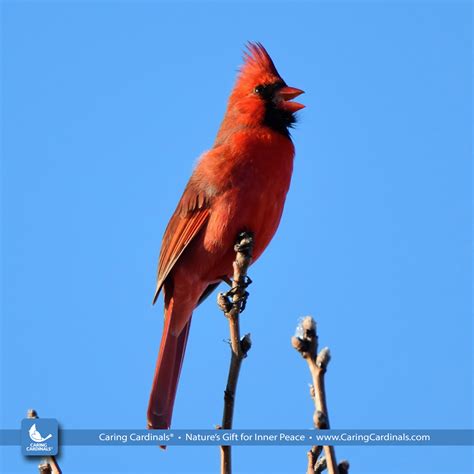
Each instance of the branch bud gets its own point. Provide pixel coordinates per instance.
(343, 467)
(245, 344)
(323, 358)
(306, 340)
(320, 420)
(223, 302)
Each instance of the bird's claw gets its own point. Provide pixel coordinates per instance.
(243, 301)
(235, 296)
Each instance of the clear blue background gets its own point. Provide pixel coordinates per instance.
(107, 105)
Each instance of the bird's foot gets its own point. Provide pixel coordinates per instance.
(235, 299)
(244, 243)
(238, 294)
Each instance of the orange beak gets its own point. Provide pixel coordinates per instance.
(285, 94)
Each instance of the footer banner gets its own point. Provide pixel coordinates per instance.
(126, 437)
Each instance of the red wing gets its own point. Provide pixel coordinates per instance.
(188, 219)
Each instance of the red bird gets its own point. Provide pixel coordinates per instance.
(239, 185)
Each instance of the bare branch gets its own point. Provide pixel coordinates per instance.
(313, 455)
(232, 304)
(306, 343)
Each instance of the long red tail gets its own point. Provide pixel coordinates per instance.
(168, 368)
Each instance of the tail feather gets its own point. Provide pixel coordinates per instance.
(168, 369)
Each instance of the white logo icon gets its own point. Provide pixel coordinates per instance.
(35, 435)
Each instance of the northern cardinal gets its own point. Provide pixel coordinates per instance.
(240, 184)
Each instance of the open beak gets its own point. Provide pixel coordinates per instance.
(285, 94)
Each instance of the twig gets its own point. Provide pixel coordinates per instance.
(49, 464)
(232, 304)
(343, 467)
(45, 468)
(306, 343)
(319, 466)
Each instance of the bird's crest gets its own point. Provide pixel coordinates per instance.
(257, 62)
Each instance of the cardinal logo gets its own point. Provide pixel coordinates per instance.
(39, 437)
(35, 435)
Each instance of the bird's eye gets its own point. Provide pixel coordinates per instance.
(259, 89)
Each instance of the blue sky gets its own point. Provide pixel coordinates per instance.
(107, 105)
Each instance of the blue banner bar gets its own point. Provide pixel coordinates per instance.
(257, 437)
(10, 437)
